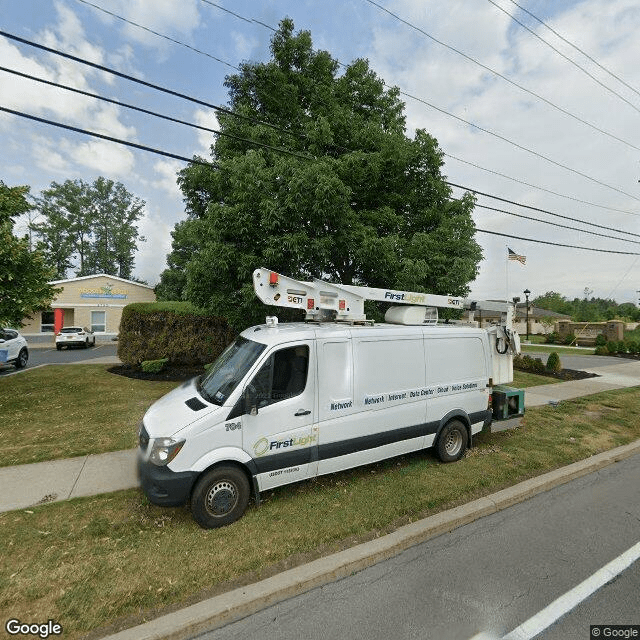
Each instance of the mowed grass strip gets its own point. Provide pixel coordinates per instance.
(550, 348)
(524, 379)
(107, 562)
(62, 411)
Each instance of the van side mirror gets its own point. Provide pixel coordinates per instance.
(251, 400)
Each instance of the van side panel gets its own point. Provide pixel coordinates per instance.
(457, 377)
(387, 416)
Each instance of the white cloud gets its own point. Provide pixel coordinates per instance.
(107, 158)
(164, 16)
(207, 119)
(244, 45)
(167, 170)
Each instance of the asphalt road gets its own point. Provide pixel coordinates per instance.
(580, 362)
(487, 577)
(39, 355)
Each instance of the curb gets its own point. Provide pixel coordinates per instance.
(228, 607)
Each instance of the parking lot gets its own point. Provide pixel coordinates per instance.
(40, 354)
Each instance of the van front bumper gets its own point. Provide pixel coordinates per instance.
(164, 487)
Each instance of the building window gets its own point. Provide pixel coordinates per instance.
(46, 322)
(98, 321)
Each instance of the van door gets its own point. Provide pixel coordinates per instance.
(281, 438)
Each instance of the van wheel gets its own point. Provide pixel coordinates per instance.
(220, 497)
(452, 442)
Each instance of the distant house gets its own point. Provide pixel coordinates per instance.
(89, 301)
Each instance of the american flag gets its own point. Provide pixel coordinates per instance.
(515, 256)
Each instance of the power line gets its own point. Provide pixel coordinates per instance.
(533, 186)
(479, 128)
(156, 33)
(154, 113)
(551, 213)
(521, 147)
(556, 244)
(577, 48)
(214, 166)
(102, 136)
(573, 62)
(145, 83)
(555, 224)
(288, 152)
(249, 20)
(194, 49)
(502, 76)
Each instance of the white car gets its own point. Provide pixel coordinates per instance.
(69, 336)
(13, 348)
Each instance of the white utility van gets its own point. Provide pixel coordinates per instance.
(286, 402)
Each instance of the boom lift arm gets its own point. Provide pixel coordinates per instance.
(322, 300)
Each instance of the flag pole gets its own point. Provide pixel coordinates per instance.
(506, 271)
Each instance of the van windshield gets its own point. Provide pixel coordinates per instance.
(229, 369)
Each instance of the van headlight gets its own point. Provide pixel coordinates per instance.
(164, 450)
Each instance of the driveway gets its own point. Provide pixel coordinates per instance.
(39, 355)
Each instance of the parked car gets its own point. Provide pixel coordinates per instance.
(69, 336)
(13, 348)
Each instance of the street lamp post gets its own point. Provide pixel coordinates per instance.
(526, 295)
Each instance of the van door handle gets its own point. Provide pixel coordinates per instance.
(302, 412)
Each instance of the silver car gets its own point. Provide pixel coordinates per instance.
(13, 348)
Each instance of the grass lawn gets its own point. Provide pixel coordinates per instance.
(115, 560)
(524, 379)
(71, 410)
(548, 348)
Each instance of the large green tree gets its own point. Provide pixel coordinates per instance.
(24, 287)
(359, 202)
(91, 227)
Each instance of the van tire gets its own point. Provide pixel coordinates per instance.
(220, 497)
(452, 441)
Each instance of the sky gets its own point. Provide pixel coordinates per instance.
(537, 123)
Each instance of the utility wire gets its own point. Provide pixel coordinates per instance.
(288, 152)
(253, 20)
(249, 20)
(555, 224)
(556, 244)
(145, 83)
(521, 147)
(102, 136)
(573, 62)
(194, 49)
(155, 33)
(551, 213)
(577, 48)
(501, 75)
(483, 129)
(155, 114)
(533, 186)
(214, 166)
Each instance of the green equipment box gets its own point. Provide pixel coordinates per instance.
(507, 402)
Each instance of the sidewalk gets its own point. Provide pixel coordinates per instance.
(32, 484)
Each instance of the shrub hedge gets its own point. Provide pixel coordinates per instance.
(178, 331)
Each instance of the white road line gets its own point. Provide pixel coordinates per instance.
(565, 603)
